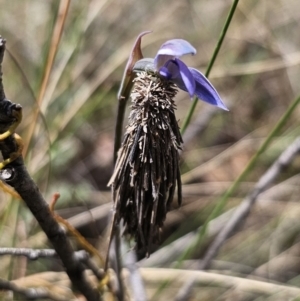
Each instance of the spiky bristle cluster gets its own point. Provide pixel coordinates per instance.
(147, 172)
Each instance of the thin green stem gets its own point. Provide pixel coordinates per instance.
(211, 63)
(222, 202)
(187, 122)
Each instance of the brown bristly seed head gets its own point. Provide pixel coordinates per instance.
(147, 169)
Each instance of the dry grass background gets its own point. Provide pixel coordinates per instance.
(257, 75)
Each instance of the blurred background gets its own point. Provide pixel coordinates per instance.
(69, 145)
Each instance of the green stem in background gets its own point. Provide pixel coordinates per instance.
(211, 63)
(222, 202)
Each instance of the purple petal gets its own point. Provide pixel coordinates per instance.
(177, 71)
(165, 73)
(205, 90)
(171, 49)
(176, 47)
(186, 77)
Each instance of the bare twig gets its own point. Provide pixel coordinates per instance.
(185, 291)
(244, 208)
(2, 49)
(176, 277)
(28, 293)
(21, 181)
(31, 254)
(137, 285)
(114, 256)
(99, 273)
(99, 214)
(34, 254)
(174, 250)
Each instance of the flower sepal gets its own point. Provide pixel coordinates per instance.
(145, 64)
(167, 65)
(128, 75)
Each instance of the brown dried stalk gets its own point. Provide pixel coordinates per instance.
(17, 176)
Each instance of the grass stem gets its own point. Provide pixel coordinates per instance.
(190, 113)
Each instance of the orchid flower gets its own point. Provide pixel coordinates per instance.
(168, 66)
(147, 173)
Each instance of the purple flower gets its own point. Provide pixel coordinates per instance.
(168, 66)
